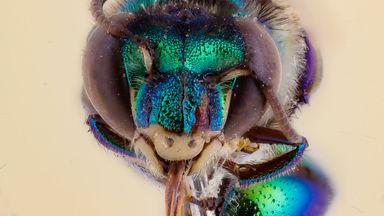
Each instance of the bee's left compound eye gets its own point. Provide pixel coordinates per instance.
(105, 82)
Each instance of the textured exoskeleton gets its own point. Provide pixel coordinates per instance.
(198, 95)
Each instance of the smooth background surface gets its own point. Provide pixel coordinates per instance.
(50, 165)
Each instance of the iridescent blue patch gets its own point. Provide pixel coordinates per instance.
(143, 105)
(217, 103)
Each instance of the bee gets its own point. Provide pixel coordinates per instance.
(198, 95)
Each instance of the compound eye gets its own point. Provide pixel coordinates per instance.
(246, 109)
(105, 82)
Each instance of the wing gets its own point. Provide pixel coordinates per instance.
(305, 192)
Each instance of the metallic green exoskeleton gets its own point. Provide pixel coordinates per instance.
(198, 95)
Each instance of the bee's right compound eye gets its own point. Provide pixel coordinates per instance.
(105, 82)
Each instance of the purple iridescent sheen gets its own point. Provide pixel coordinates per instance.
(102, 138)
(309, 73)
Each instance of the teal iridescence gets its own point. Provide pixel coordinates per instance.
(211, 53)
(217, 98)
(240, 5)
(142, 108)
(133, 63)
(167, 101)
(286, 195)
(169, 47)
(133, 6)
(178, 88)
(303, 192)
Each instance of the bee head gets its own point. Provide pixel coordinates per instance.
(172, 78)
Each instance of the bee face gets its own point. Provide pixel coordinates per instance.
(184, 94)
(182, 89)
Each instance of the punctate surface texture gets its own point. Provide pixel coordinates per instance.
(177, 88)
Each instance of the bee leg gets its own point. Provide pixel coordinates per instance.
(213, 203)
(116, 25)
(258, 135)
(263, 135)
(108, 137)
(227, 185)
(267, 135)
(280, 114)
(113, 27)
(252, 173)
(208, 204)
(265, 67)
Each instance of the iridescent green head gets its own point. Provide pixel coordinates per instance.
(167, 72)
(188, 85)
(185, 87)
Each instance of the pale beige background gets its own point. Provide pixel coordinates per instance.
(50, 165)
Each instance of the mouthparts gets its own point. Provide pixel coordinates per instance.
(175, 189)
